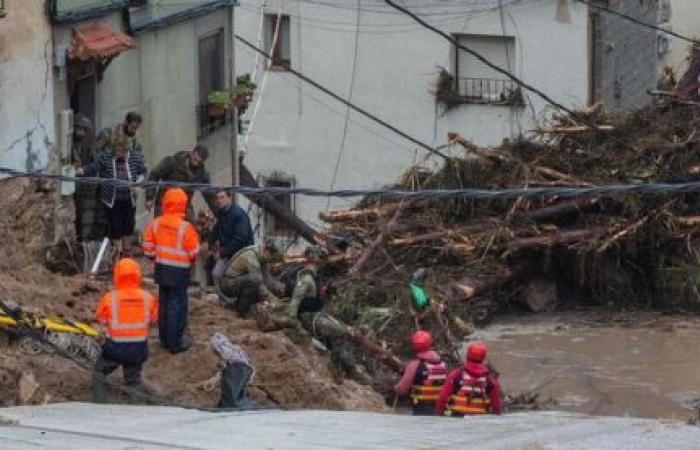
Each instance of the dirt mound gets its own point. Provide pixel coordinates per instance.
(290, 371)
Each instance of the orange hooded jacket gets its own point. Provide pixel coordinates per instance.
(170, 238)
(127, 310)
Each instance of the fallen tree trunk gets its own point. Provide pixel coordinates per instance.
(358, 214)
(278, 210)
(561, 237)
(561, 209)
(573, 129)
(325, 326)
(362, 260)
(469, 287)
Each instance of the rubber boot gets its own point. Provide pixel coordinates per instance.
(99, 389)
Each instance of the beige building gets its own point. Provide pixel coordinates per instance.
(682, 17)
(179, 53)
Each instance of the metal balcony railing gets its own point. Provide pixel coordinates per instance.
(489, 91)
(211, 118)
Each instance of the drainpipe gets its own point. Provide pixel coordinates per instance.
(234, 123)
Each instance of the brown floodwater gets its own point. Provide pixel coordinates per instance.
(639, 365)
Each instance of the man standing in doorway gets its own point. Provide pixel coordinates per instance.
(87, 207)
(232, 232)
(183, 167)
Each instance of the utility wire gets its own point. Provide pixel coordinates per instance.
(636, 21)
(350, 92)
(608, 190)
(342, 100)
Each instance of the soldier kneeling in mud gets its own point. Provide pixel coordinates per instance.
(246, 281)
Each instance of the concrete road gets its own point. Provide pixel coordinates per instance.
(103, 427)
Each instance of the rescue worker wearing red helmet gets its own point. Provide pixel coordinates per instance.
(423, 377)
(472, 389)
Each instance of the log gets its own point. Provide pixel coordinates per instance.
(358, 214)
(417, 238)
(469, 287)
(688, 221)
(561, 237)
(573, 129)
(378, 240)
(561, 209)
(278, 210)
(325, 326)
(557, 175)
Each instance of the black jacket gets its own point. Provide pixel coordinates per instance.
(232, 230)
(105, 167)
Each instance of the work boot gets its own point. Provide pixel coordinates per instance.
(99, 390)
(136, 393)
(183, 347)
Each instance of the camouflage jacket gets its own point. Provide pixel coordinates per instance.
(246, 263)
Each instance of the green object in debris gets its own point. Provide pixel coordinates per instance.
(420, 300)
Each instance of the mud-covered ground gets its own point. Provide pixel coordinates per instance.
(290, 371)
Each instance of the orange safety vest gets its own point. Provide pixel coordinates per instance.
(471, 397)
(168, 247)
(129, 317)
(434, 376)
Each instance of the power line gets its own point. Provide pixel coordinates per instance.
(637, 21)
(350, 92)
(342, 100)
(492, 194)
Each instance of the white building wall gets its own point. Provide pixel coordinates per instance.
(26, 86)
(299, 130)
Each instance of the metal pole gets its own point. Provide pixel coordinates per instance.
(234, 121)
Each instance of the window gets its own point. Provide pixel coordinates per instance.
(211, 78)
(2, 8)
(478, 83)
(273, 226)
(280, 48)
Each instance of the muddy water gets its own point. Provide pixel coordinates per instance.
(646, 367)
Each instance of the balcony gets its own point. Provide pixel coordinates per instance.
(489, 91)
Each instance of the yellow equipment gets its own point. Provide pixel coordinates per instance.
(75, 338)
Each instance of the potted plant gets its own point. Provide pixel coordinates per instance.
(217, 103)
(243, 91)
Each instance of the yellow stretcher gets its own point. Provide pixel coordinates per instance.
(74, 338)
(49, 323)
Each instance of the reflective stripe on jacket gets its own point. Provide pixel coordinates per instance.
(433, 376)
(471, 398)
(127, 314)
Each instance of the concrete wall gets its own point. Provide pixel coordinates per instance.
(626, 55)
(26, 90)
(299, 130)
(685, 20)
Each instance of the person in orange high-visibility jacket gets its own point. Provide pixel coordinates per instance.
(173, 243)
(125, 313)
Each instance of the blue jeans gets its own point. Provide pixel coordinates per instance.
(172, 315)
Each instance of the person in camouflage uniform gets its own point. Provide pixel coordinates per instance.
(246, 280)
(305, 310)
(184, 167)
(125, 132)
(88, 218)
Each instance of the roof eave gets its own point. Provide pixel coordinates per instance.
(181, 16)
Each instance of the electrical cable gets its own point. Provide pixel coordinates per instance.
(347, 111)
(607, 190)
(342, 100)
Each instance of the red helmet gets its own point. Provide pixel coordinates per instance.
(420, 341)
(476, 352)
